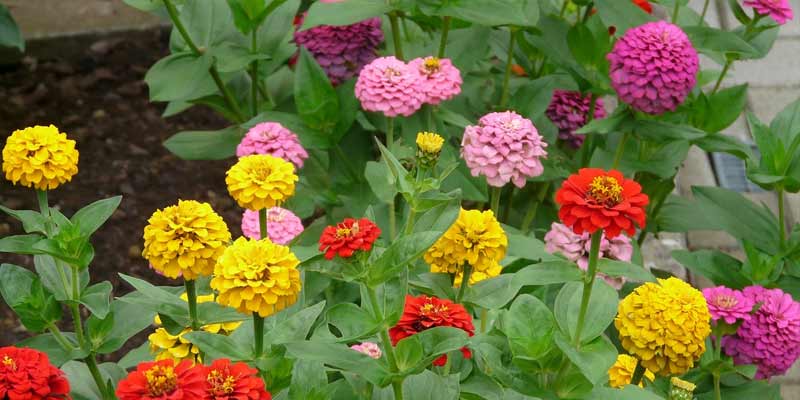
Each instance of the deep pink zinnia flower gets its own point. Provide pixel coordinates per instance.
(504, 147)
(282, 225)
(728, 304)
(653, 67)
(440, 79)
(779, 10)
(575, 247)
(569, 111)
(390, 86)
(771, 338)
(274, 139)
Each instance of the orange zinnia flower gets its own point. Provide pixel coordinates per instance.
(163, 380)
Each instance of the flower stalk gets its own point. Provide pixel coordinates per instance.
(509, 64)
(191, 297)
(388, 349)
(588, 284)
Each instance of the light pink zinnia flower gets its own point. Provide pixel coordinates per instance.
(504, 147)
(569, 111)
(653, 67)
(576, 248)
(771, 338)
(779, 10)
(728, 304)
(368, 348)
(390, 86)
(274, 139)
(440, 79)
(282, 225)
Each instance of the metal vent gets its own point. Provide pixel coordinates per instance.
(730, 172)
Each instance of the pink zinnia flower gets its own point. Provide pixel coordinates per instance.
(771, 338)
(654, 67)
(504, 147)
(282, 225)
(390, 86)
(569, 111)
(440, 79)
(274, 139)
(368, 348)
(576, 248)
(779, 10)
(728, 304)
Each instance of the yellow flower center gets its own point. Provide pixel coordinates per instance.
(429, 308)
(605, 190)
(431, 65)
(221, 384)
(343, 231)
(160, 380)
(9, 362)
(725, 301)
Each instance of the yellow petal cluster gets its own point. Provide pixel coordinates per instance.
(429, 146)
(39, 157)
(664, 325)
(185, 239)
(257, 276)
(475, 238)
(621, 373)
(261, 181)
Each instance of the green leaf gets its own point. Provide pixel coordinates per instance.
(48, 344)
(180, 76)
(48, 267)
(496, 292)
(527, 247)
(408, 353)
(97, 298)
(156, 299)
(205, 145)
(309, 381)
(219, 346)
(20, 244)
(441, 340)
(529, 326)
(484, 12)
(660, 131)
(23, 292)
(618, 121)
(533, 97)
(309, 138)
(711, 40)
(724, 144)
(98, 329)
(214, 313)
(593, 359)
(10, 35)
(717, 266)
(296, 327)
(338, 14)
(400, 254)
(341, 357)
(352, 322)
(131, 320)
(317, 102)
(209, 23)
(32, 221)
(90, 218)
(582, 44)
(599, 315)
(430, 386)
(380, 180)
(719, 110)
(622, 14)
(629, 392)
(624, 269)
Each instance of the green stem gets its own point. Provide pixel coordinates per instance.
(588, 284)
(484, 317)
(563, 8)
(97, 376)
(638, 373)
(392, 209)
(262, 89)
(509, 205)
(445, 31)
(494, 195)
(620, 150)
(429, 124)
(781, 216)
(65, 344)
(588, 12)
(262, 223)
(530, 216)
(258, 331)
(509, 64)
(464, 282)
(722, 74)
(388, 349)
(389, 133)
(398, 46)
(191, 297)
(254, 74)
(717, 393)
(675, 11)
(76, 312)
(705, 10)
(44, 208)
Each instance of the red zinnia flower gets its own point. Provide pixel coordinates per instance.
(226, 381)
(426, 312)
(347, 237)
(644, 5)
(595, 199)
(28, 374)
(163, 380)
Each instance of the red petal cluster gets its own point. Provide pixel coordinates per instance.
(595, 199)
(425, 312)
(163, 380)
(226, 381)
(28, 374)
(644, 5)
(347, 237)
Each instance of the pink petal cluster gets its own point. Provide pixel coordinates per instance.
(653, 67)
(728, 304)
(575, 247)
(504, 147)
(389, 86)
(282, 225)
(439, 80)
(771, 338)
(274, 139)
(368, 348)
(779, 10)
(569, 111)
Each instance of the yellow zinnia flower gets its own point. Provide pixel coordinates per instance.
(40, 157)
(475, 238)
(681, 389)
(664, 325)
(429, 146)
(185, 239)
(257, 276)
(621, 372)
(261, 181)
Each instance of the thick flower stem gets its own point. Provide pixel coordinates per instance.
(386, 341)
(781, 217)
(722, 74)
(254, 74)
(588, 284)
(620, 150)
(262, 223)
(494, 196)
(509, 64)
(392, 210)
(258, 331)
(98, 377)
(717, 393)
(62, 341)
(675, 11)
(703, 14)
(44, 208)
(530, 216)
(191, 296)
(464, 282)
(638, 373)
(73, 305)
(398, 46)
(445, 31)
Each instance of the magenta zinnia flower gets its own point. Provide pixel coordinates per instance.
(390, 86)
(274, 139)
(368, 348)
(779, 10)
(440, 79)
(504, 147)
(728, 304)
(653, 67)
(576, 248)
(282, 225)
(569, 111)
(771, 338)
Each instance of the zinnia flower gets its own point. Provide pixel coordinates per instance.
(282, 225)
(257, 276)
(644, 5)
(233, 381)
(389, 86)
(595, 199)
(185, 239)
(27, 374)
(728, 304)
(779, 10)
(475, 238)
(576, 248)
(368, 348)
(429, 146)
(664, 325)
(39, 157)
(653, 67)
(261, 181)
(770, 339)
(569, 111)
(439, 80)
(504, 147)
(425, 312)
(347, 237)
(163, 380)
(621, 373)
(274, 139)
